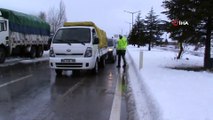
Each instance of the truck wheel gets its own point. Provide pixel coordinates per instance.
(2, 55)
(103, 62)
(113, 59)
(23, 52)
(96, 68)
(58, 72)
(39, 51)
(33, 52)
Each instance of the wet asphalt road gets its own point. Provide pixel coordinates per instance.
(34, 92)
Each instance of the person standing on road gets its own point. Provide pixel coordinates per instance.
(121, 50)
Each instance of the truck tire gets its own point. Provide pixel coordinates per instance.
(2, 55)
(33, 52)
(23, 52)
(102, 62)
(39, 51)
(113, 59)
(96, 68)
(58, 72)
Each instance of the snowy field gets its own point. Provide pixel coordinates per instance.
(176, 94)
(188, 49)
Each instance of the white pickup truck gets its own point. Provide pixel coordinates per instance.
(78, 46)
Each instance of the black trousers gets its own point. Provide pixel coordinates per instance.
(121, 53)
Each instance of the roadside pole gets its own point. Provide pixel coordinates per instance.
(141, 60)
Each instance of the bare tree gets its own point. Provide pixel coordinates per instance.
(42, 15)
(57, 17)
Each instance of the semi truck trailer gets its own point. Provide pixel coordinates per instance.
(22, 34)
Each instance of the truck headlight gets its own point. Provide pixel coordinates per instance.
(51, 53)
(88, 52)
(110, 49)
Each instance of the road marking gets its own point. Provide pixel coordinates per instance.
(16, 80)
(72, 88)
(116, 105)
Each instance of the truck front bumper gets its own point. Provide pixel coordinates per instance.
(75, 64)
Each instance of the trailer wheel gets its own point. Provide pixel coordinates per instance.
(23, 52)
(33, 52)
(2, 55)
(39, 51)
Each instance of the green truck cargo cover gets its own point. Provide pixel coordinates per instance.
(24, 23)
(101, 34)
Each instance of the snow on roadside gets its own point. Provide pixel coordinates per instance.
(10, 61)
(143, 107)
(15, 60)
(45, 57)
(179, 94)
(188, 49)
(34, 60)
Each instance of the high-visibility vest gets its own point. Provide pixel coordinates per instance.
(122, 44)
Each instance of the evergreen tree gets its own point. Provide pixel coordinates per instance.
(153, 31)
(137, 35)
(199, 14)
(132, 38)
(141, 38)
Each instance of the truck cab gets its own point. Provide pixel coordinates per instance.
(3, 29)
(4, 33)
(76, 48)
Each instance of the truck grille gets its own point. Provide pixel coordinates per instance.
(69, 54)
(74, 55)
(69, 64)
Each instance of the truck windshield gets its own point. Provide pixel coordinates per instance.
(73, 35)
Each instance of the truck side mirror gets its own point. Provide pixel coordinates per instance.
(93, 31)
(96, 41)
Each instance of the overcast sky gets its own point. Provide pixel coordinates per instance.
(107, 14)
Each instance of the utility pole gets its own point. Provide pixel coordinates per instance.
(130, 12)
(130, 24)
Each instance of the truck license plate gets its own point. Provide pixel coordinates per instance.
(67, 60)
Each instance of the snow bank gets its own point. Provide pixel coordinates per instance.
(15, 60)
(179, 94)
